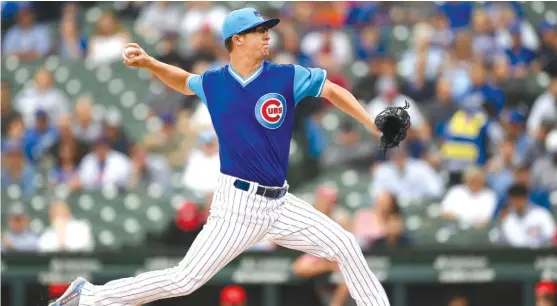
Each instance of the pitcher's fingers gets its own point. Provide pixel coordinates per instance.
(132, 45)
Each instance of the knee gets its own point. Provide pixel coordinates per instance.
(185, 282)
(348, 243)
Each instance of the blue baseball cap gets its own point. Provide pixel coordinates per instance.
(515, 117)
(546, 26)
(244, 19)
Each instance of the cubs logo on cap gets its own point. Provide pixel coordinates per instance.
(270, 110)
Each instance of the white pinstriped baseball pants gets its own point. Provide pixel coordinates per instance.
(238, 220)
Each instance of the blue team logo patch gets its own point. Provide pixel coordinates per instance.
(270, 110)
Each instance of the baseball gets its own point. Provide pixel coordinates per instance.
(129, 52)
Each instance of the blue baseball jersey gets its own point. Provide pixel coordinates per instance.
(253, 117)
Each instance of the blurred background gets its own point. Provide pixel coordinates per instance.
(106, 172)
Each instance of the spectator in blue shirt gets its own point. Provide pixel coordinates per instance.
(368, 43)
(519, 56)
(40, 138)
(480, 85)
(536, 196)
(18, 237)
(458, 13)
(16, 170)
(27, 40)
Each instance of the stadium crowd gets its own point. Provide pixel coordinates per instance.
(480, 140)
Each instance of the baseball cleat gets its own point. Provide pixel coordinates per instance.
(72, 294)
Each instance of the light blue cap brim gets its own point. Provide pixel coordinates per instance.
(269, 23)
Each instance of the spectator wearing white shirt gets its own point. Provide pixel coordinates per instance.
(65, 233)
(328, 39)
(203, 166)
(158, 18)
(200, 14)
(108, 41)
(42, 95)
(527, 225)
(27, 40)
(406, 178)
(544, 108)
(544, 170)
(85, 127)
(471, 203)
(104, 167)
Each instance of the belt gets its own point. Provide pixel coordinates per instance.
(273, 193)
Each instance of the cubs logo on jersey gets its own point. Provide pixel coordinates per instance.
(270, 110)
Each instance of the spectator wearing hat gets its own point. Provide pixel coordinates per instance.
(545, 106)
(169, 141)
(18, 237)
(526, 225)
(116, 133)
(203, 165)
(546, 293)
(104, 167)
(548, 50)
(525, 149)
(27, 40)
(15, 168)
(471, 203)
(149, 168)
(543, 173)
(406, 177)
(65, 233)
(85, 127)
(40, 138)
(233, 295)
(518, 55)
(42, 95)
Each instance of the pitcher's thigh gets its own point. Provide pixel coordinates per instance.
(302, 227)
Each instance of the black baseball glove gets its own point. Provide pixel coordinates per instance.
(394, 122)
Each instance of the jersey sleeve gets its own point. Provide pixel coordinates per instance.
(195, 84)
(308, 82)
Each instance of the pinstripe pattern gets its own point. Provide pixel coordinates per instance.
(238, 220)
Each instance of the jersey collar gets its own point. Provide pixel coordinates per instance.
(249, 79)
